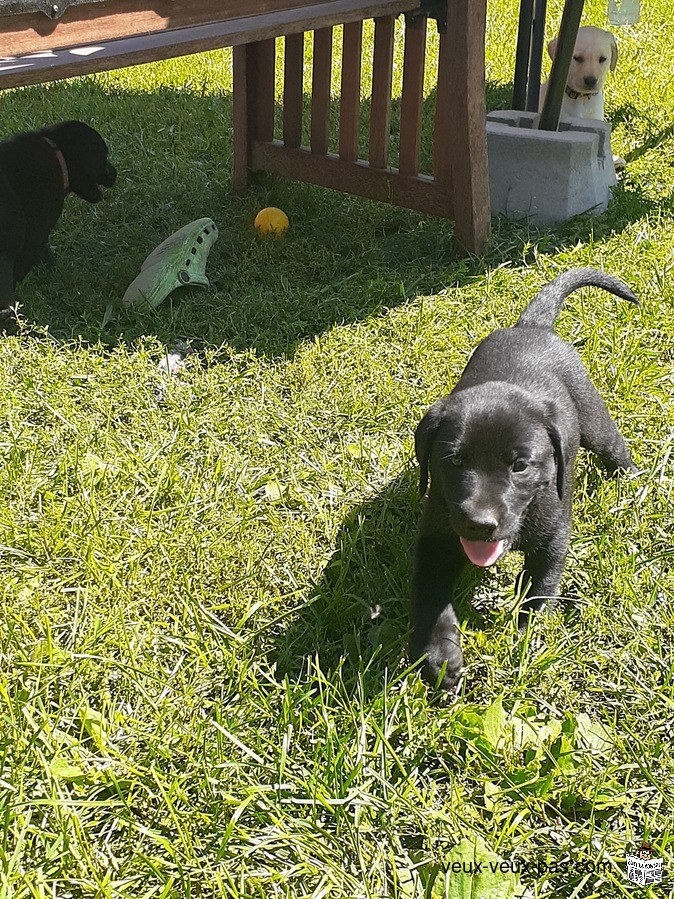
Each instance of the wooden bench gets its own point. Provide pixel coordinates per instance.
(45, 40)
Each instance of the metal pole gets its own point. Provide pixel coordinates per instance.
(537, 41)
(522, 54)
(573, 10)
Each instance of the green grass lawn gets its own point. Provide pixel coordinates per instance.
(204, 687)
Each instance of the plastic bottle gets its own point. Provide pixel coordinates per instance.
(624, 12)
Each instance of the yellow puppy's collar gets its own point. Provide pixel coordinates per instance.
(577, 95)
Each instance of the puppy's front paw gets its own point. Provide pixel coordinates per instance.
(444, 658)
(443, 666)
(537, 605)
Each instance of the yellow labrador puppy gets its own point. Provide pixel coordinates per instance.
(594, 56)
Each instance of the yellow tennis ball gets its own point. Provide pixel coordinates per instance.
(271, 220)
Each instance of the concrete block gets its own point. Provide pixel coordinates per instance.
(548, 176)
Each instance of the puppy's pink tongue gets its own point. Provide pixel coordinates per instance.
(482, 552)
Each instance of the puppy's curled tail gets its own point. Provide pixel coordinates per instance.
(543, 310)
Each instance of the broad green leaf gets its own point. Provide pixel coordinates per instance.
(550, 731)
(543, 785)
(470, 724)
(355, 450)
(473, 871)
(524, 733)
(495, 721)
(530, 780)
(569, 724)
(563, 753)
(593, 734)
(607, 800)
(62, 769)
(274, 491)
(470, 721)
(409, 884)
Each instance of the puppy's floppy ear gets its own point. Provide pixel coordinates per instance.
(423, 440)
(614, 53)
(560, 465)
(552, 48)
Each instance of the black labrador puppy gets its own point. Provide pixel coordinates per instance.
(500, 451)
(38, 169)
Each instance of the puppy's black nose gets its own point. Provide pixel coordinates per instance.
(481, 524)
(590, 81)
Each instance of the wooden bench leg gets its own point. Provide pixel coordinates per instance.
(241, 146)
(466, 109)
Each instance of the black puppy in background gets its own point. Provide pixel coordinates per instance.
(500, 451)
(38, 169)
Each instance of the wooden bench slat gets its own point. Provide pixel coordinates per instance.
(320, 90)
(412, 95)
(349, 104)
(442, 132)
(262, 76)
(382, 79)
(292, 89)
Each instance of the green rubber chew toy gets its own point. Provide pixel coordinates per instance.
(179, 261)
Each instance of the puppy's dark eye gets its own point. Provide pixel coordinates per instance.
(578, 58)
(520, 465)
(602, 59)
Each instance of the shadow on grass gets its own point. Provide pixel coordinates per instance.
(358, 609)
(357, 616)
(344, 259)
(629, 115)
